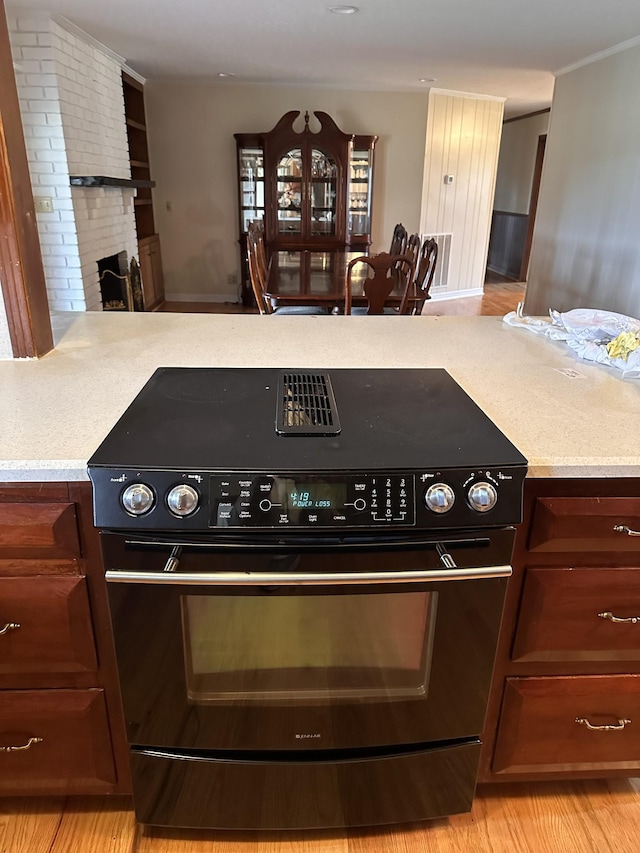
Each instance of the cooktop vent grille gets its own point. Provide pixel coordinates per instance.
(306, 405)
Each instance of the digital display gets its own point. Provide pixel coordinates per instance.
(316, 495)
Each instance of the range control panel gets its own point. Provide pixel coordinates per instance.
(129, 499)
(311, 501)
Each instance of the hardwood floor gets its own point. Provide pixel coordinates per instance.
(500, 297)
(553, 817)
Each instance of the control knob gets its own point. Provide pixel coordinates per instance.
(439, 497)
(182, 500)
(482, 497)
(138, 499)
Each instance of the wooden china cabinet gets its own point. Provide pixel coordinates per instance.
(312, 190)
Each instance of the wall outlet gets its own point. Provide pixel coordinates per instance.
(232, 279)
(43, 204)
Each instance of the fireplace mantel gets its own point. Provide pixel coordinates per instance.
(102, 181)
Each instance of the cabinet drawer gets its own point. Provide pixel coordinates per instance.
(74, 753)
(538, 731)
(560, 617)
(38, 538)
(585, 524)
(46, 626)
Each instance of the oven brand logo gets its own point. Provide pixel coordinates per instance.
(307, 736)
(121, 479)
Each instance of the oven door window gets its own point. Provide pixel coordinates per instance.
(307, 647)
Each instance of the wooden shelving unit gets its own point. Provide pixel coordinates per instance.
(148, 239)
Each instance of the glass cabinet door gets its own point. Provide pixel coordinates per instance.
(251, 186)
(360, 181)
(289, 201)
(324, 171)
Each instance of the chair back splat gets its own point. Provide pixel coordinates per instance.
(258, 266)
(399, 240)
(425, 272)
(389, 272)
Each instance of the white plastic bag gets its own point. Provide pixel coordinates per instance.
(587, 331)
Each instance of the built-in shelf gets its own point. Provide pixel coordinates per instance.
(137, 124)
(105, 181)
(139, 201)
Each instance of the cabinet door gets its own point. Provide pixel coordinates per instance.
(55, 741)
(306, 176)
(574, 723)
(361, 191)
(45, 627)
(156, 268)
(151, 272)
(38, 538)
(579, 614)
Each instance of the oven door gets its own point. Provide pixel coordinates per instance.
(322, 645)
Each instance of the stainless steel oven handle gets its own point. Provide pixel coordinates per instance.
(310, 578)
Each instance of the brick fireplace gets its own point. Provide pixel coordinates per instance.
(72, 106)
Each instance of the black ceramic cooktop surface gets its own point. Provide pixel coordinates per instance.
(224, 419)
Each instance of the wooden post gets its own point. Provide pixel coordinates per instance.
(21, 273)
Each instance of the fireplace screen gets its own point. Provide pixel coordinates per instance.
(115, 288)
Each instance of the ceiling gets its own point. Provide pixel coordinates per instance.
(507, 48)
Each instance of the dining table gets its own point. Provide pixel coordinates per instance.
(317, 278)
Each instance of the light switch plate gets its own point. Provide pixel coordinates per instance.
(43, 204)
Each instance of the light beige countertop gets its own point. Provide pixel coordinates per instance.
(56, 410)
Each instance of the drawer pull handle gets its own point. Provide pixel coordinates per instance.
(26, 745)
(622, 528)
(607, 614)
(10, 626)
(617, 728)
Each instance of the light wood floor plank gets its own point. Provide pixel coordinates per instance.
(157, 840)
(582, 816)
(97, 825)
(29, 825)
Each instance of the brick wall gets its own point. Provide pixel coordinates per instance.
(73, 116)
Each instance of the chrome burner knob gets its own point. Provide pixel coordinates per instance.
(138, 499)
(183, 500)
(439, 497)
(482, 497)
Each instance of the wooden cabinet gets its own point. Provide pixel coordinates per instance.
(312, 189)
(61, 729)
(151, 272)
(150, 260)
(565, 698)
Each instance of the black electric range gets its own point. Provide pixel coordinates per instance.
(204, 449)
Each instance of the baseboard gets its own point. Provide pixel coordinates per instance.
(202, 297)
(456, 294)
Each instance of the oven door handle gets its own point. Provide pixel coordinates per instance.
(304, 578)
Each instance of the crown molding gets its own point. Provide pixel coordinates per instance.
(75, 30)
(596, 57)
(474, 96)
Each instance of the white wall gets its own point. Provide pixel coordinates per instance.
(6, 350)
(463, 140)
(193, 161)
(586, 243)
(517, 161)
(72, 108)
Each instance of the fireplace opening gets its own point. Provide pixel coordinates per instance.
(115, 287)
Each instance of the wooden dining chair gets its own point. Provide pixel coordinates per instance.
(259, 273)
(389, 272)
(424, 273)
(413, 249)
(399, 240)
